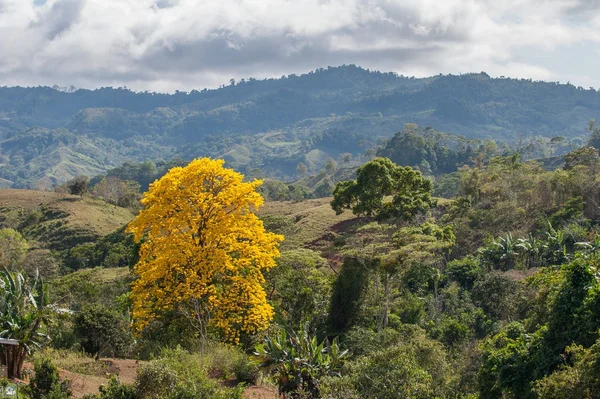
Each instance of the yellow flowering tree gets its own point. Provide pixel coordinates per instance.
(203, 251)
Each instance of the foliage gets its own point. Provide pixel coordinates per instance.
(348, 290)
(78, 185)
(300, 288)
(515, 358)
(576, 379)
(116, 390)
(465, 271)
(46, 382)
(103, 331)
(118, 192)
(297, 362)
(377, 179)
(433, 152)
(24, 311)
(179, 375)
(414, 367)
(13, 248)
(117, 249)
(204, 250)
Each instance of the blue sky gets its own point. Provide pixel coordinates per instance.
(167, 45)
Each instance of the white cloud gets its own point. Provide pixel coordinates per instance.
(185, 44)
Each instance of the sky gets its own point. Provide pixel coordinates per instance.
(168, 45)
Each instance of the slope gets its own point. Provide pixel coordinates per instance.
(59, 222)
(271, 124)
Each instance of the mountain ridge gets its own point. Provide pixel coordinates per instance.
(271, 124)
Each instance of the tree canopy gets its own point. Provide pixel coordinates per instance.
(203, 250)
(381, 178)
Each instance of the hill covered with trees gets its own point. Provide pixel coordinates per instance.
(48, 136)
(392, 288)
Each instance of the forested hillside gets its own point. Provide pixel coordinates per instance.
(48, 136)
(480, 283)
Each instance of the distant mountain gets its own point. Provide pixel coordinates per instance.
(48, 135)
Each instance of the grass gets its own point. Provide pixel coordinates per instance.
(312, 219)
(77, 362)
(59, 221)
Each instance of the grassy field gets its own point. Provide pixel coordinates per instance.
(59, 221)
(310, 223)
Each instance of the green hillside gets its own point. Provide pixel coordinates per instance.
(48, 136)
(57, 221)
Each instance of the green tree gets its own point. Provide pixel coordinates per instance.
(381, 178)
(78, 185)
(301, 169)
(13, 248)
(415, 367)
(300, 288)
(103, 331)
(594, 140)
(331, 166)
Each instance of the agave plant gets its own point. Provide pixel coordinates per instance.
(297, 361)
(23, 311)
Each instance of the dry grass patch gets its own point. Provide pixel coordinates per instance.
(313, 220)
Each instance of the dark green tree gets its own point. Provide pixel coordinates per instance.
(103, 331)
(376, 181)
(594, 140)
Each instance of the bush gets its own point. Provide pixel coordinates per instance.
(180, 375)
(464, 271)
(115, 390)
(46, 382)
(78, 185)
(103, 331)
(230, 362)
(155, 381)
(414, 367)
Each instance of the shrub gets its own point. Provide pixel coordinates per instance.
(464, 271)
(155, 381)
(415, 367)
(230, 362)
(115, 390)
(78, 185)
(103, 331)
(180, 375)
(46, 382)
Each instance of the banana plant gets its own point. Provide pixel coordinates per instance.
(556, 247)
(297, 361)
(500, 254)
(23, 311)
(532, 249)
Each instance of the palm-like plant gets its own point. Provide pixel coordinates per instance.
(298, 361)
(590, 248)
(501, 253)
(533, 249)
(23, 311)
(556, 247)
